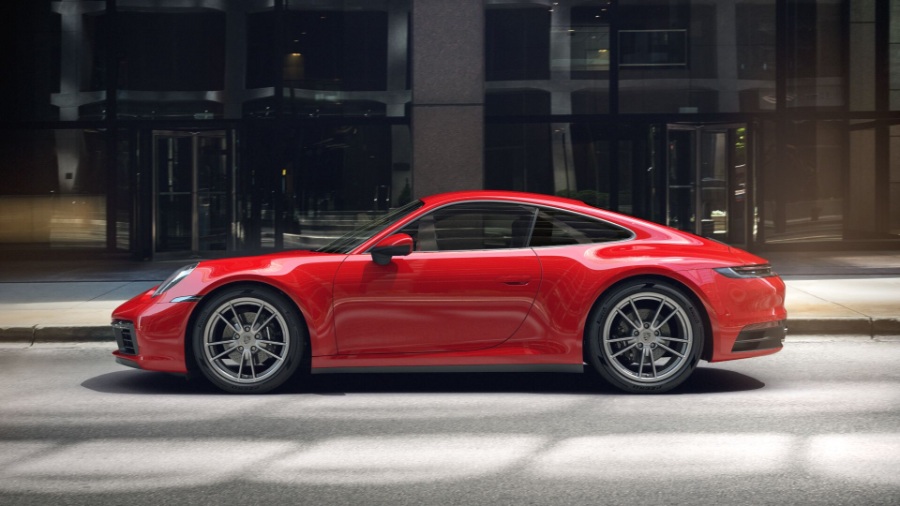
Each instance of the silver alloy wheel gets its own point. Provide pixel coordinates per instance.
(246, 340)
(647, 337)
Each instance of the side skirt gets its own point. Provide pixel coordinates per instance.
(567, 368)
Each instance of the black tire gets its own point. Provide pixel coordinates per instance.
(248, 340)
(645, 336)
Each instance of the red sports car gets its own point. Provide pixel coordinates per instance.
(467, 281)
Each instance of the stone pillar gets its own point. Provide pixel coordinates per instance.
(447, 47)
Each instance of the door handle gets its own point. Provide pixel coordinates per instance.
(515, 280)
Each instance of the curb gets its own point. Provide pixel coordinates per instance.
(60, 334)
(838, 326)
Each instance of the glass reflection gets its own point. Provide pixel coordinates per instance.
(54, 193)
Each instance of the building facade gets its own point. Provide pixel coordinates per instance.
(213, 127)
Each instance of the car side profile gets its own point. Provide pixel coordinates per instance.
(465, 281)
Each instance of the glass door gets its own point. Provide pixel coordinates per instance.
(191, 198)
(707, 180)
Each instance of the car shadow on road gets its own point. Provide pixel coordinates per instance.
(707, 380)
(703, 381)
(150, 383)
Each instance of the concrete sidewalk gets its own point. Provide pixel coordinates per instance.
(44, 301)
(70, 300)
(841, 293)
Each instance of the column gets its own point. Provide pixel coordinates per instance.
(447, 48)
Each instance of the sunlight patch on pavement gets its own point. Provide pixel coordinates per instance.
(16, 451)
(402, 459)
(111, 465)
(133, 465)
(636, 456)
(871, 458)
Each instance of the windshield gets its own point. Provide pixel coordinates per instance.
(346, 243)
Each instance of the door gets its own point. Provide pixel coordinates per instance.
(707, 178)
(191, 175)
(469, 285)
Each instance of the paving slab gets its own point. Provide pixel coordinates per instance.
(873, 297)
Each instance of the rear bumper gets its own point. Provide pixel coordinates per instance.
(748, 316)
(754, 340)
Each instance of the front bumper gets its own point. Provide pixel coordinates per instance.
(150, 333)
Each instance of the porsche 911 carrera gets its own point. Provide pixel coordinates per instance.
(466, 281)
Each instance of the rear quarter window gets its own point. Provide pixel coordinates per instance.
(559, 228)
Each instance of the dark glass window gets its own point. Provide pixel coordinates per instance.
(334, 50)
(560, 228)
(498, 225)
(171, 51)
(863, 63)
(30, 35)
(756, 41)
(476, 226)
(653, 48)
(804, 191)
(589, 41)
(590, 157)
(28, 162)
(94, 33)
(590, 101)
(517, 103)
(262, 59)
(517, 44)
(815, 41)
(518, 157)
(814, 38)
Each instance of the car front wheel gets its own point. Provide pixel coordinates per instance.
(248, 340)
(645, 337)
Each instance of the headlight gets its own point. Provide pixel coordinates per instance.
(174, 279)
(747, 271)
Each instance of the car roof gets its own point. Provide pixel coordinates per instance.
(532, 198)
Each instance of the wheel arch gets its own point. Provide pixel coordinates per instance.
(191, 359)
(649, 280)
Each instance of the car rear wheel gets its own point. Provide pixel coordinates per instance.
(645, 337)
(248, 340)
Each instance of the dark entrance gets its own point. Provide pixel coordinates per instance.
(707, 182)
(192, 172)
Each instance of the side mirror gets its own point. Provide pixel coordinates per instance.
(397, 245)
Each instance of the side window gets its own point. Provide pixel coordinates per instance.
(558, 228)
(473, 226)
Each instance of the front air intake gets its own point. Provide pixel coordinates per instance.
(125, 338)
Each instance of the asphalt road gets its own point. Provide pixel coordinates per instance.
(818, 423)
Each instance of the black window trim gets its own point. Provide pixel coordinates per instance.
(536, 207)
